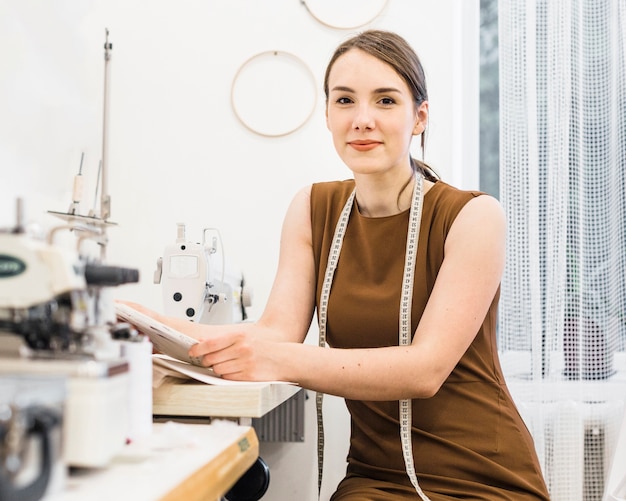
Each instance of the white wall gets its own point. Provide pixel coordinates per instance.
(177, 152)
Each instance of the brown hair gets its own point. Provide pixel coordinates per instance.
(394, 50)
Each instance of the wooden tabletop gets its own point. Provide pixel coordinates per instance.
(192, 398)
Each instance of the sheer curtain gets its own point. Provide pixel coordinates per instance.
(562, 327)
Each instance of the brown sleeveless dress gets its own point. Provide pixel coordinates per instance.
(469, 440)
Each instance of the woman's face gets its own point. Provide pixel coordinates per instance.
(371, 114)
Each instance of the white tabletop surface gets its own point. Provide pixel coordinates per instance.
(163, 464)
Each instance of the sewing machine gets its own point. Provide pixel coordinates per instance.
(56, 320)
(197, 284)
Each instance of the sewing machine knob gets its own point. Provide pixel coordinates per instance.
(97, 274)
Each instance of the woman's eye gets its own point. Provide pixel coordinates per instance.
(386, 101)
(344, 100)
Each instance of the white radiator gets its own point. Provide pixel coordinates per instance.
(575, 442)
(285, 423)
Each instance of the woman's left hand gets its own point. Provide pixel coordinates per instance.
(239, 352)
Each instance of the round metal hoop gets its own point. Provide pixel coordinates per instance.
(286, 87)
(354, 6)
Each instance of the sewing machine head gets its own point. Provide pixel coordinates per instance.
(42, 290)
(48, 297)
(196, 283)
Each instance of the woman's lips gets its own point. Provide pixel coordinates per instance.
(364, 145)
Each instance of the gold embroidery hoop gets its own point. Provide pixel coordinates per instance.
(276, 82)
(332, 20)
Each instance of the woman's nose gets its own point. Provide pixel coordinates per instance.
(363, 118)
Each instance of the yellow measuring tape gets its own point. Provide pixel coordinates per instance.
(415, 217)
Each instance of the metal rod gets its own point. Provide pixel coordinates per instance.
(105, 199)
(105, 207)
(19, 215)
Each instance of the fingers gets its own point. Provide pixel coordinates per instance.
(215, 342)
(225, 370)
(226, 353)
(213, 357)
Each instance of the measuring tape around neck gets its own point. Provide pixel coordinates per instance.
(404, 335)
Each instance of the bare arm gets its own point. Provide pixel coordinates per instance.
(464, 289)
(291, 302)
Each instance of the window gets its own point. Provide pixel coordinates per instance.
(489, 156)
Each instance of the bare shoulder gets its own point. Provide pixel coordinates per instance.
(483, 209)
(297, 223)
(301, 203)
(481, 224)
(303, 195)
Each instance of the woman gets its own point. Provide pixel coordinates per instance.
(408, 309)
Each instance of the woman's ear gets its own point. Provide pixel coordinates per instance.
(421, 118)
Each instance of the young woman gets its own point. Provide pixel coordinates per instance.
(404, 271)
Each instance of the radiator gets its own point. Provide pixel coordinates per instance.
(285, 423)
(575, 424)
(575, 442)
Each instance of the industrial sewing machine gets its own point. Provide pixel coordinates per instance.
(57, 322)
(197, 284)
